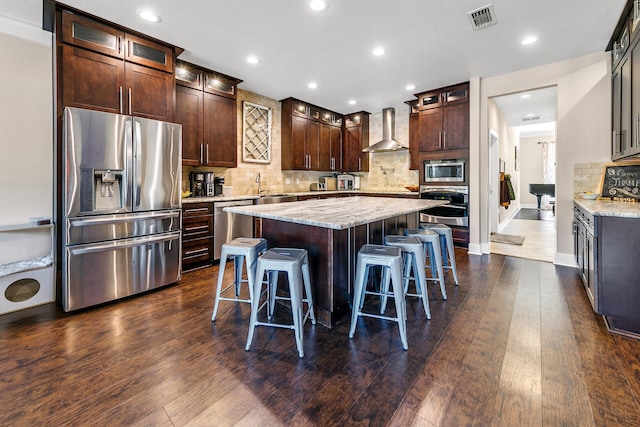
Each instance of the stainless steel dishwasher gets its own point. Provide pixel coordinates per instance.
(227, 226)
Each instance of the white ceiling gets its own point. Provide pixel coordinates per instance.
(532, 112)
(428, 43)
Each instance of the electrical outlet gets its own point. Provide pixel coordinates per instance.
(297, 180)
(287, 180)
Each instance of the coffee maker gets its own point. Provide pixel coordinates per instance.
(209, 188)
(196, 180)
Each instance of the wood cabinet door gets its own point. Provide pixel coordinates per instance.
(634, 140)
(220, 131)
(92, 80)
(89, 34)
(150, 93)
(190, 114)
(456, 127)
(188, 75)
(414, 142)
(616, 146)
(312, 145)
(325, 147)
(335, 159)
(430, 125)
(148, 53)
(298, 137)
(353, 149)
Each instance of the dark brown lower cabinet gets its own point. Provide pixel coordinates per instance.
(197, 235)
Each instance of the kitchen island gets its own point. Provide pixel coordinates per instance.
(332, 231)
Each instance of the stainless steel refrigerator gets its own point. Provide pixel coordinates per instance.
(121, 204)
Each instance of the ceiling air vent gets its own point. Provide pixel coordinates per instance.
(529, 118)
(482, 17)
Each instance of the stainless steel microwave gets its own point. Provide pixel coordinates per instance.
(444, 171)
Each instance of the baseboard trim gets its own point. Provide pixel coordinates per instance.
(476, 249)
(566, 260)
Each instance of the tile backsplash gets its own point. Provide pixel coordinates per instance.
(387, 171)
(586, 177)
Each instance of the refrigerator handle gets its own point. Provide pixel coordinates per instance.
(137, 146)
(123, 244)
(115, 219)
(130, 96)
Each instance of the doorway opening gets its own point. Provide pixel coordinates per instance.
(522, 138)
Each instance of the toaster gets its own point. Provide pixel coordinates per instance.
(318, 186)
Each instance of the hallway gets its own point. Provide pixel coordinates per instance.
(539, 240)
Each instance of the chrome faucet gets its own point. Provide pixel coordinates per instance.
(258, 182)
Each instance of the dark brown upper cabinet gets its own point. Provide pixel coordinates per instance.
(105, 68)
(207, 109)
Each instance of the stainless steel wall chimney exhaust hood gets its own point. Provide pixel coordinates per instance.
(388, 142)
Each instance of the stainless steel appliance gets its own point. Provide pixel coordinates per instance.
(121, 206)
(209, 184)
(455, 213)
(196, 180)
(227, 226)
(444, 171)
(345, 182)
(218, 183)
(330, 182)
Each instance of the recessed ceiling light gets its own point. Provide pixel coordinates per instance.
(529, 40)
(352, 102)
(525, 96)
(318, 5)
(312, 85)
(410, 87)
(530, 115)
(253, 60)
(378, 51)
(149, 16)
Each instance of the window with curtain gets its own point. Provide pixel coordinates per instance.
(548, 167)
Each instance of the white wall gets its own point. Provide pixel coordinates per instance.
(583, 133)
(26, 123)
(507, 141)
(531, 169)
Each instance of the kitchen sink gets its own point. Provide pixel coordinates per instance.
(275, 198)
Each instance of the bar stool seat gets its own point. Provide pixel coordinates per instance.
(446, 243)
(413, 261)
(431, 242)
(241, 249)
(390, 259)
(295, 263)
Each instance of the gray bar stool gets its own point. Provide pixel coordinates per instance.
(241, 249)
(431, 242)
(390, 259)
(296, 264)
(414, 257)
(446, 243)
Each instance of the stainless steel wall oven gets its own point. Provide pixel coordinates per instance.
(455, 213)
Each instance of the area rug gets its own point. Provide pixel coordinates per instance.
(507, 238)
(535, 214)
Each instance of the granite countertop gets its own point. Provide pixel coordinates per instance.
(337, 213)
(610, 208)
(218, 199)
(298, 193)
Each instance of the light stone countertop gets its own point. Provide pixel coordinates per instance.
(337, 213)
(188, 200)
(298, 193)
(610, 208)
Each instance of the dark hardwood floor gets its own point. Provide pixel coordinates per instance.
(515, 344)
